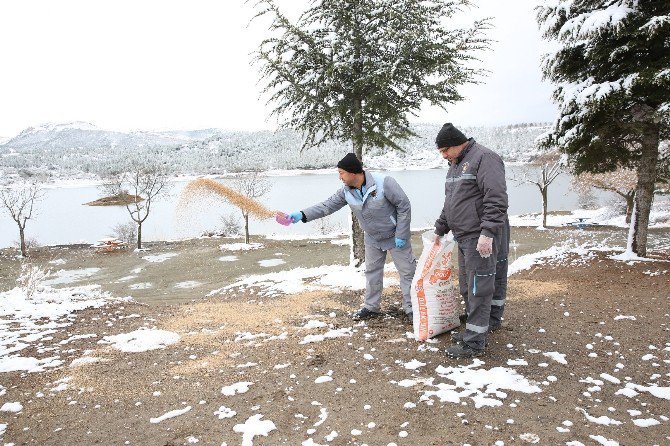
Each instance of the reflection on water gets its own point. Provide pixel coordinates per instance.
(61, 218)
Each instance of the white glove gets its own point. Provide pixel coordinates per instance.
(485, 246)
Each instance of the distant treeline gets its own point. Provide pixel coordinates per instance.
(224, 152)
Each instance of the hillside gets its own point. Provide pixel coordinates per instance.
(81, 150)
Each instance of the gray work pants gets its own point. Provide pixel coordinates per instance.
(483, 286)
(375, 258)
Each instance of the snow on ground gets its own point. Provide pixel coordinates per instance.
(606, 215)
(341, 242)
(570, 253)
(63, 277)
(553, 254)
(253, 427)
(237, 388)
(160, 258)
(26, 320)
(171, 414)
(141, 286)
(227, 258)
(188, 284)
(240, 246)
(485, 387)
(271, 262)
(299, 280)
(141, 340)
(299, 237)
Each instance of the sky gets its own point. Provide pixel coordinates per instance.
(159, 65)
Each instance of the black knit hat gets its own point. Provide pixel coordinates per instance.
(449, 136)
(350, 163)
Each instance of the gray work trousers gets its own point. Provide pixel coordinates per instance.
(375, 258)
(483, 286)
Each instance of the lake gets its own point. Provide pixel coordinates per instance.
(61, 217)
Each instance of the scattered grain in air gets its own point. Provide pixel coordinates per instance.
(197, 188)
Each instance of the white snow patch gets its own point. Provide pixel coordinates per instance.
(141, 340)
(241, 246)
(188, 284)
(313, 323)
(160, 258)
(604, 441)
(337, 333)
(227, 258)
(413, 364)
(483, 386)
(271, 262)
(171, 414)
(225, 412)
(253, 427)
(141, 286)
(603, 419)
(646, 422)
(63, 276)
(12, 407)
(513, 362)
(239, 387)
(556, 356)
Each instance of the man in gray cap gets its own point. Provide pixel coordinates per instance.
(384, 212)
(475, 211)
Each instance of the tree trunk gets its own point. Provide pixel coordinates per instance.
(544, 206)
(139, 236)
(22, 241)
(630, 201)
(644, 192)
(358, 242)
(246, 228)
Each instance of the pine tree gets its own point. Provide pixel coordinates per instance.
(353, 70)
(612, 77)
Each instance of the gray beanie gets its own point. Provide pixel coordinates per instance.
(449, 136)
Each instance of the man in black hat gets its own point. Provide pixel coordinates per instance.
(384, 213)
(475, 211)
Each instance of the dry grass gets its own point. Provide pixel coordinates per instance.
(226, 318)
(524, 289)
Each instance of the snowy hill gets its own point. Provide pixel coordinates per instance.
(87, 136)
(81, 150)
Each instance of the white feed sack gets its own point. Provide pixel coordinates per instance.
(434, 296)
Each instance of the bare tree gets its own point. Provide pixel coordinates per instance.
(251, 185)
(19, 202)
(144, 184)
(621, 181)
(546, 176)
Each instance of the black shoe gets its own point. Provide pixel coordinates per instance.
(364, 313)
(459, 351)
(457, 337)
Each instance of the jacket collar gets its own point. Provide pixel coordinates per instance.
(370, 186)
(466, 149)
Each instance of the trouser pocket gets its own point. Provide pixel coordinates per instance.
(483, 283)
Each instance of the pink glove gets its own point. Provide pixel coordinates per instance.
(485, 246)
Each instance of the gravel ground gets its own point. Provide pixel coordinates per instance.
(610, 320)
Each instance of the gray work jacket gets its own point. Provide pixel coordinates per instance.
(384, 211)
(475, 191)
